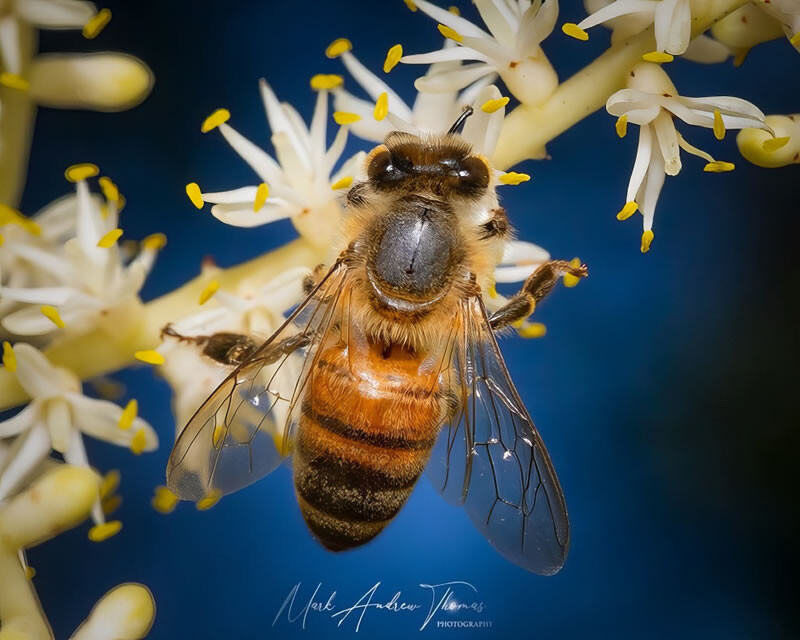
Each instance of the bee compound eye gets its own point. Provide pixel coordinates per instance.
(473, 175)
(380, 167)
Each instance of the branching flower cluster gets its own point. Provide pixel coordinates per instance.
(70, 279)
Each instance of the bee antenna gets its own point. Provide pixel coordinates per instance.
(459, 123)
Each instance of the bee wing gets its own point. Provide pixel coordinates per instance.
(246, 427)
(490, 457)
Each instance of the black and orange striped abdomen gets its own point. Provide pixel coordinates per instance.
(366, 431)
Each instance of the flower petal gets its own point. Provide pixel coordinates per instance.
(707, 50)
(242, 214)
(259, 160)
(100, 419)
(27, 452)
(19, 422)
(445, 17)
(668, 143)
(641, 164)
(453, 80)
(55, 14)
(374, 86)
(39, 378)
(673, 26)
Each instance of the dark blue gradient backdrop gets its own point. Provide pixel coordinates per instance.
(664, 388)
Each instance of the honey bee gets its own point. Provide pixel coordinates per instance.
(391, 365)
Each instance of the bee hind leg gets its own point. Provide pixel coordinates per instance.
(536, 287)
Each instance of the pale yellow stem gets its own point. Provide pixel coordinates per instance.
(528, 129)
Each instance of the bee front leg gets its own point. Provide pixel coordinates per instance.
(313, 279)
(536, 287)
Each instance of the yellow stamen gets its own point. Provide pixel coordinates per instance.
(381, 107)
(209, 501)
(447, 32)
(719, 125)
(218, 437)
(795, 39)
(512, 177)
(392, 58)
(111, 504)
(492, 291)
(164, 501)
(100, 532)
(30, 572)
(129, 414)
(195, 195)
(628, 210)
(215, 119)
(138, 442)
(533, 330)
(96, 24)
(109, 483)
(78, 172)
(210, 289)
(262, 193)
(150, 356)
(338, 47)
(622, 125)
(9, 358)
(574, 31)
(109, 239)
(658, 56)
(454, 10)
(51, 313)
(109, 189)
(490, 106)
(2, 239)
(771, 145)
(410, 4)
(154, 242)
(342, 183)
(719, 166)
(344, 117)
(326, 81)
(12, 216)
(647, 239)
(569, 279)
(14, 81)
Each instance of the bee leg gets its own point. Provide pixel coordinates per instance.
(536, 287)
(313, 278)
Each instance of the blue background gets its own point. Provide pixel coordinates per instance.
(665, 388)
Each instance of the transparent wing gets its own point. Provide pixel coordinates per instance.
(491, 459)
(245, 428)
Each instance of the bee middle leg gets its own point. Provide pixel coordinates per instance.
(536, 287)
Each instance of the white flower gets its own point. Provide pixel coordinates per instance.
(92, 284)
(787, 12)
(511, 48)
(55, 418)
(302, 184)
(256, 311)
(651, 101)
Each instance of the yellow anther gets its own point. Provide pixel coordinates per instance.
(210, 289)
(771, 145)
(209, 501)
(326, 81)
(215, 119)
(262, 193)
(574, 31)
(622, 125)
(9, 358)
(490, 106)
(154, 242)
(109, 189)
(795, 39)
(150, 356)
(78, 172)
(195, 195)
(338, 47)
(454, 10)
(109, 483)
(345, 117)
(447, 32)
(533, 330)
(342, 183)
(129, 414)
(96, 24)
(719, 166)
(719, 125)
(109, 239)
(51, 313)
(30, 572)
(138, 442)
(2, 239)
(111, 504)
(658, 56)
(569, 279)
(393, 57)
(381, 107)
(14, 81)
(512, 177)
(628, 210)
(492, 291)
(410, 4)
(218, 437)
(164, 501)
(647, 240)
(100, 532)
